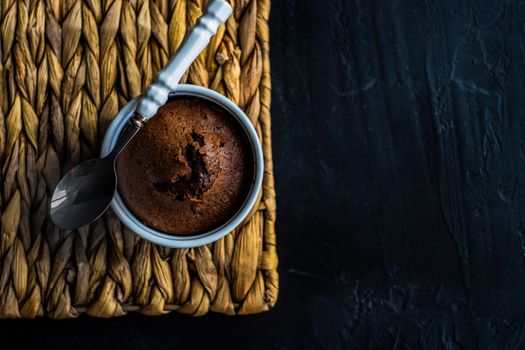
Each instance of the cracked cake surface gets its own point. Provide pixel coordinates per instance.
(188, 170)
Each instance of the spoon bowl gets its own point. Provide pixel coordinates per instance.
(84, 193)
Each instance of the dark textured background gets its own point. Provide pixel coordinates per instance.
(399, 155)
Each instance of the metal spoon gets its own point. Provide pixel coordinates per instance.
(86, 191)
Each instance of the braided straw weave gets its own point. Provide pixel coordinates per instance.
(66, 68)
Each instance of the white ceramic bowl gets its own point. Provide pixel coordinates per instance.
(188, 241)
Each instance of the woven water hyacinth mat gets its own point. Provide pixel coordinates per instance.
(66, 68)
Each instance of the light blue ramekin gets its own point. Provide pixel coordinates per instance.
(188, 241)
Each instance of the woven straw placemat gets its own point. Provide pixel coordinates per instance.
(66, 68)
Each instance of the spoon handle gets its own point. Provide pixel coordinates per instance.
(156, 95)
(131, 129)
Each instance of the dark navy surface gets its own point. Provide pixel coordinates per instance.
(399, 145)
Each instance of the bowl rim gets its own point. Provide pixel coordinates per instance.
(188, 241)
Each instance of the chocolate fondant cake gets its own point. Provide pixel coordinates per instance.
(188, 170)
